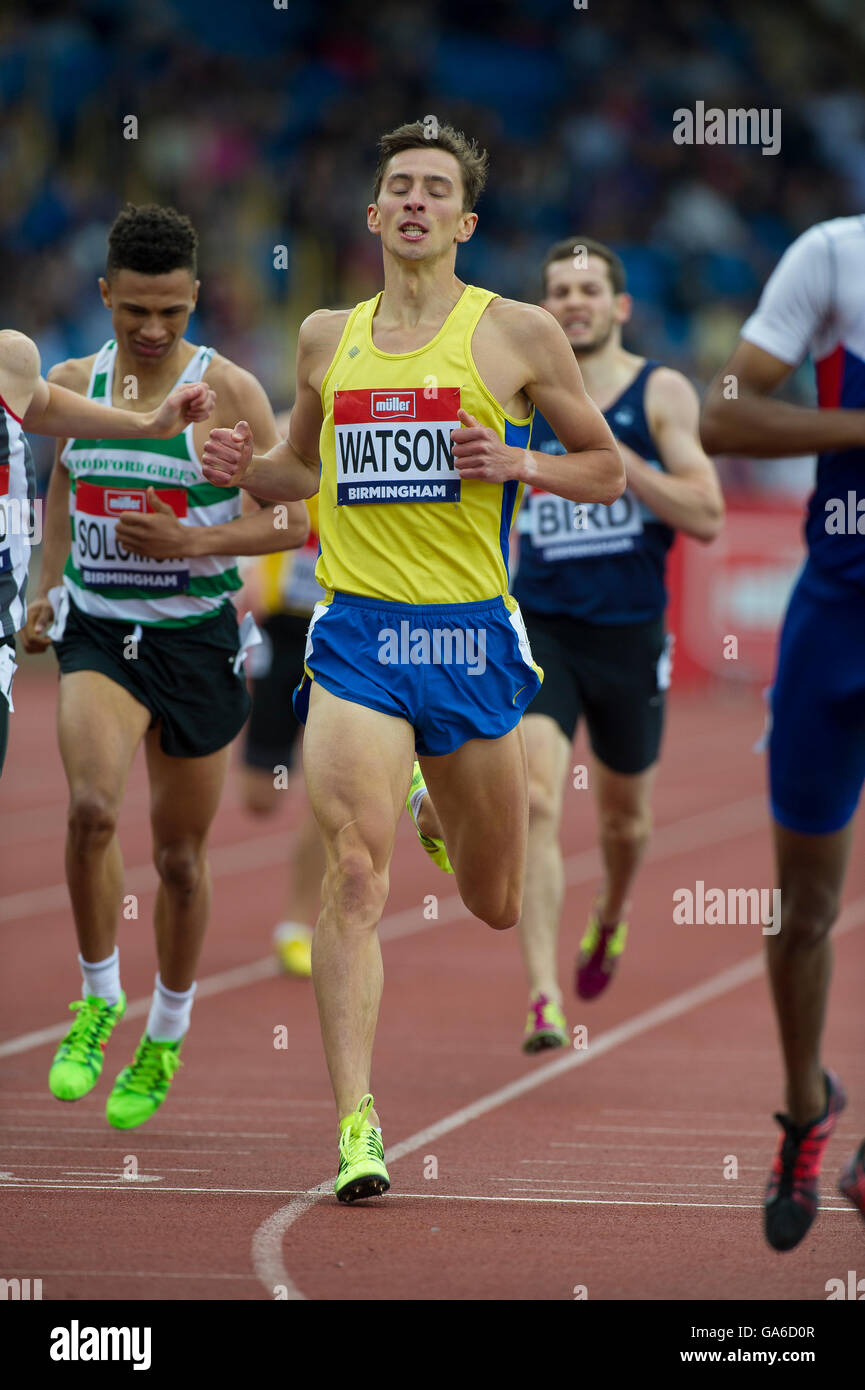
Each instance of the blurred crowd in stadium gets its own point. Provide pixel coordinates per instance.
(260, 122)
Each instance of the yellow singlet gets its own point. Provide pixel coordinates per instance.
(396, 521)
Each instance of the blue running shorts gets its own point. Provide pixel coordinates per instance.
(817, 738)
(453, 671)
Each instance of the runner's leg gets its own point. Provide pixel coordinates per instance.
(548, 753)
(184, 797)
(99, 728)
(811, 872)
(480, 794)
(625, 823)
(357, 763)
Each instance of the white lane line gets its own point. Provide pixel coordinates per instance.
(307, 1198)
(100, 1149)
(724, 822)
(168, 1134)
(268, 1240)
(128, 1274)
(50, 1185)
(241, 857)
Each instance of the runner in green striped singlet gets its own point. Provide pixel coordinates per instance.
(138, 569)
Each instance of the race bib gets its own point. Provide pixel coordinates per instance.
(563, 530)
(102, 560)
(301, 590)
(395, 445)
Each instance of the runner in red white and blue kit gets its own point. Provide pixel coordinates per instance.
(591, 586)
(814, 302)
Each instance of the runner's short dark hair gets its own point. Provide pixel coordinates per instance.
(152, 240)
(572, 246)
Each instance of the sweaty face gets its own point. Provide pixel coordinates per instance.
(150, 313)
(419, 213)
(583, 302)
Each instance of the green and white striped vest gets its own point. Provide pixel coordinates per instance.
(109, 478)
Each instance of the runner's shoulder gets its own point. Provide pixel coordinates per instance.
(669, 392)
(19, 356)
(234, 386)
(522, 325)
(74, 373)
(321, 331)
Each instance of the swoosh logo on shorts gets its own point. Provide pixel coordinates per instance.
(519, 692)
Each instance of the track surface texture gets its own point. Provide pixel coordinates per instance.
(608, 1166)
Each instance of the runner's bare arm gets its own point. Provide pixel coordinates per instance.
(688, 495)
(56, 531)
(291, 470)
(591, 470)
(739, 416)
(159, 534)
(51, 408)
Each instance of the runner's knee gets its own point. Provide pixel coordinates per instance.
(353, 890)
(543, 802)
(260, 801)
(808, 911)
(180, 865)
(500, 912)
(625, 827)
(92, 817)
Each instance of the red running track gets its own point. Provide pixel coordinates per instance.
(512, 1178)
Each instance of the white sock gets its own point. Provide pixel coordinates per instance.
(102, 977)
(168, 1019)
(416, 799)
(291, 931)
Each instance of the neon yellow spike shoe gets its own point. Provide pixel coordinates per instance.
(361, 1157)
(292, 942)
(545, 1026)
(434, 848)
(600, 951)
(77, 1064)
(140, 1089)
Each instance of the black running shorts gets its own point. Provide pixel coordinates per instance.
(184, 675)
(276, 668)
(615, 676)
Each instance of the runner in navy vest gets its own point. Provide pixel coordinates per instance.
(591, 586)
(813, 302)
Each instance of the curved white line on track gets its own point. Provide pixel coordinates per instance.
(268, 1239)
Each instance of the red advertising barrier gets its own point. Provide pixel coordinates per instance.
(727, 599)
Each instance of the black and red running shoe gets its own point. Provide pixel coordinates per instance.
(852, 1182)
(791, 1196)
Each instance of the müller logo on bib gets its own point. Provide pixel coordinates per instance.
(393, 405)
(395, 446)
(96, 500)
(120, 503)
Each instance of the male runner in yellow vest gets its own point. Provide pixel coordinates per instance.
(418, 404)
(147, 641)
